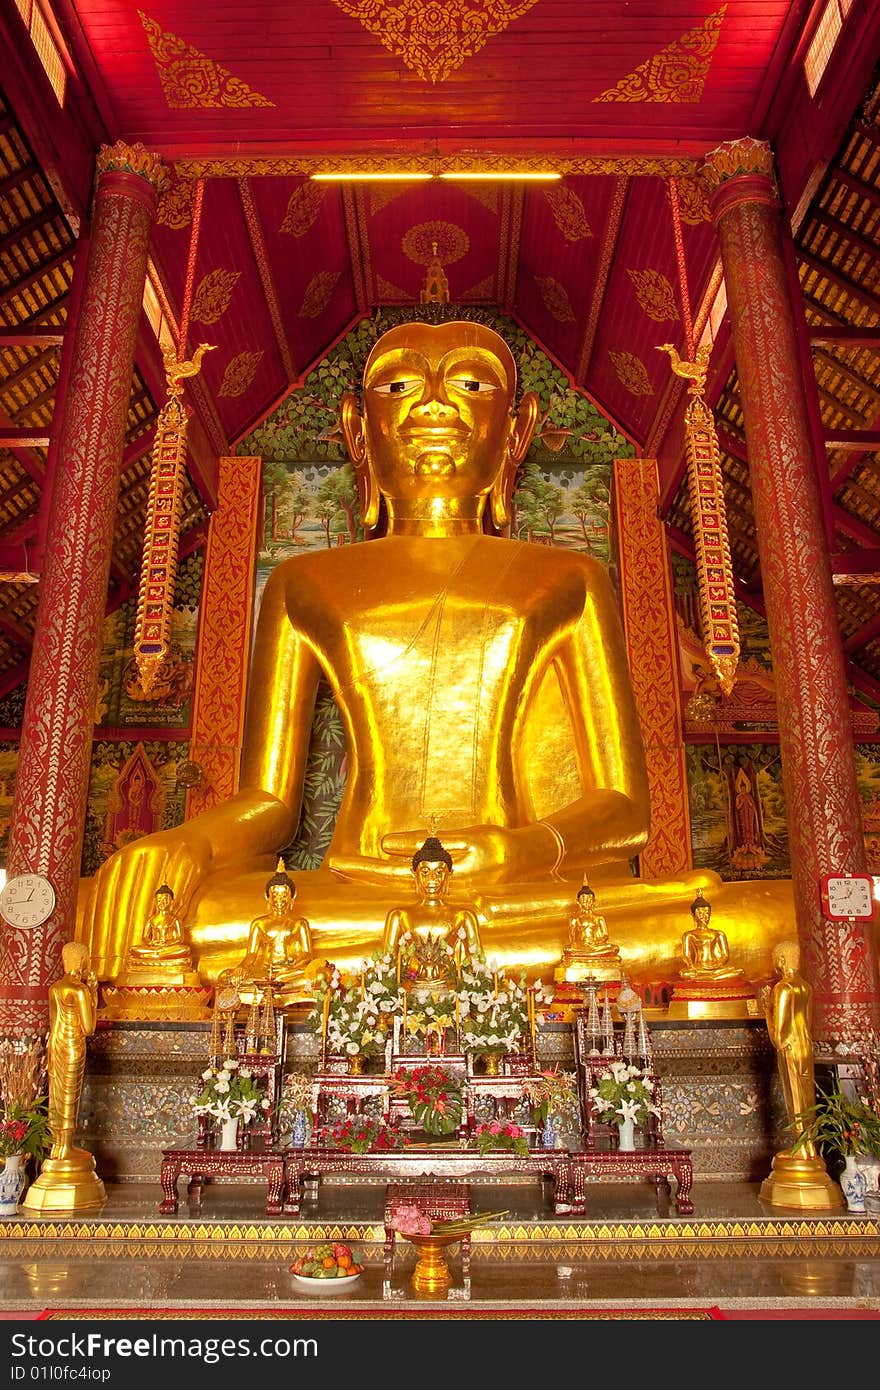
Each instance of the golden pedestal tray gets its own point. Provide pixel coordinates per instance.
(432, 1274)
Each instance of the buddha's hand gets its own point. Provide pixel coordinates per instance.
(125, 886)
(483, 854)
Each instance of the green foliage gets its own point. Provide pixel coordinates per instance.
(188, 585)
(839, 1124)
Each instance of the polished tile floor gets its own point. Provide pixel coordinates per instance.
(224, 1268)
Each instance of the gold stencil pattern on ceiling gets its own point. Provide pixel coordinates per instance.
(176, 204)
(483, 289)
(655, 295)
(385, 193)
(693, 205)
(434, 37)
(303, 208)
(452, 242)
(240, 372)
(212, 296)
(568, 212)
(318, 292)
(555, 297)
(677, 73)
(390, 293)
(190, 78)
(485, 193)
(632, 373)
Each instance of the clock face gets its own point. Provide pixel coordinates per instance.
(848, 895)
(27, 900)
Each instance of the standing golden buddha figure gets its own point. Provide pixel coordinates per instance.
(480, 679)
(798, 1177)
(67, 1180)
(708, 984)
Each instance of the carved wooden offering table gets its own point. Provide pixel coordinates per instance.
(220, 1163)
(431, 1162)
(653, 1161)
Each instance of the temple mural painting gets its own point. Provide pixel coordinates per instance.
(738, 810)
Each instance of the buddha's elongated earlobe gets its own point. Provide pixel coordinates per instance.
(519, 439)
(356, 444)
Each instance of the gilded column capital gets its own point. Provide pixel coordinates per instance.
(132, 159)
(737, 170)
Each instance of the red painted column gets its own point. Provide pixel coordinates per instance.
(815, 727)
(51, 785)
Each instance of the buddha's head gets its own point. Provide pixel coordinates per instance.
(280, 890)
(74, 958)
(164, 898)
(701, 910)
(432, 868)
(438, 428)
(585, 898)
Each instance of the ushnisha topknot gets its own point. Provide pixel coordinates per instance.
(432, 852)
(280, 879)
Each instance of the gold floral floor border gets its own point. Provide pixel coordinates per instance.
(499, 1314)
(841, 1236)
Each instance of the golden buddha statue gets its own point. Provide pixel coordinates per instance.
(432, 938)
(589, 955)
(708, 985)
(798, 1176)
(67, 1179)
(279, 951)
(159, 980)
(480, 679)
(162, 952)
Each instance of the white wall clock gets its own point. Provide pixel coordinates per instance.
(27, 900)
(847, 895)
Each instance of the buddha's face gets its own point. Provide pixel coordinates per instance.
(586, 901)
(279, 898)
(437, 411)
(702, 913)
(164, 901)
(432, 877)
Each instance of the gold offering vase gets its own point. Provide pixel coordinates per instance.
(491, 1063)
(356, 1064)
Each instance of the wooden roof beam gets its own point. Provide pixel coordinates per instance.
(850, 562)
(862, 635)
(32, 336)
(863, 440)
(847, 287)
(18, 634)
(845, 337)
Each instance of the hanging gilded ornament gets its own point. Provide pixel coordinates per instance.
(717, 598)
(159, 562)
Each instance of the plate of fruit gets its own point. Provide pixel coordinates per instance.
(327, 1267)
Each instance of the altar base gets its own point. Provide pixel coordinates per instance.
(66, 1185)
(798, 1181)
(185, 1001)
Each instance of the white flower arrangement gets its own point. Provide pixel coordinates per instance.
(494, 1008)
(623, 1092)
(229, 1093)
(353, 1025)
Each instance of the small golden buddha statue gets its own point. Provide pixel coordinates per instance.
(161, 955)
(707, 977)
(279, 951)
(432, 938)
(589, 954)
(476, 674)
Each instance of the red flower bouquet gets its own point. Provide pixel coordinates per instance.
(361, 1135)
(434, 1097)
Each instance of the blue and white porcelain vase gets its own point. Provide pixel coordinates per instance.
(13, 1181)
(548, 1134)
(854, 1184)
(300, 1133)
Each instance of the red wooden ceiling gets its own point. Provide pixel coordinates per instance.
(244, 93)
